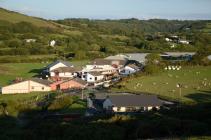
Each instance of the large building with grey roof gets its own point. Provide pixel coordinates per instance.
(139, 57)
(128, 103)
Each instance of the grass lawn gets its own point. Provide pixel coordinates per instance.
(20, 97)
(9, 71)
(196, 83)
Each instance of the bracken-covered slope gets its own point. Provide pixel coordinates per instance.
(15, 17)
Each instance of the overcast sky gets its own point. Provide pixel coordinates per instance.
(112, 9)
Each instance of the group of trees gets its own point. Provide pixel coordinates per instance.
(201, 57)
(165, 123)
(99, 38)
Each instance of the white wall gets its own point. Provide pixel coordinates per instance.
(25, 87)
(90, 78)
(127, 70)
(34, 86)
(66, 74)
(52, 74)
(124, 109)
(119, 109)
(57, 66)
(22, 87)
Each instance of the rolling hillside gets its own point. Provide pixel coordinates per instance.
(14, 17)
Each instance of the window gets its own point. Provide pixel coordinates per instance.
(118, 108)
(95, 78)
(43, 88)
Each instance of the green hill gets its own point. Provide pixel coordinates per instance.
(15, 17)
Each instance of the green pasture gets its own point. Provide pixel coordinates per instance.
(195, 81)
(10, 71)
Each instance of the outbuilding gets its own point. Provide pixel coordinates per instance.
(130, 69)
(75, 83)
(27, 86)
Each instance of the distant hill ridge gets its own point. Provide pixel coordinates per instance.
(15, 17)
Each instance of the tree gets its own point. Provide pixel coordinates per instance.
(15, 43)
(103, 49)
(4, 108)
(152, 69)
(153, 58)
(80, 54)
(201, 56)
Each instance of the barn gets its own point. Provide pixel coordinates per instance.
(27, 86)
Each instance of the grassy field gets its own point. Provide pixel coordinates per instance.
(10, 71)
(207, 29)
(122, 38)
(16, 17)
(73, 33)
(196, 82)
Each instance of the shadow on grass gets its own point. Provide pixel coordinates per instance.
(37, 72)
(185, 121)
(200, 98)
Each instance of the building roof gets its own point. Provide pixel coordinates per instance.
(117, 57)
(37, 80)
(178, 54)
(78, 80)
(95, 73)
(68, 64)
(133, 66)
(108, 62)
(41, 81)
(140, 57)
(66, 69)
(135, 100)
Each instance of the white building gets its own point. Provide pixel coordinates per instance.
(172, 46)
(52, 43)
(57, 64)
(93, 77)
(130, 69)
(168, 39)
(184, 42)
(104, 67)
(30, 40)
(64, 72)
